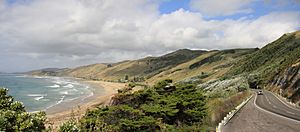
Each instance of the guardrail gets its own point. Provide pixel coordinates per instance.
(231, 114)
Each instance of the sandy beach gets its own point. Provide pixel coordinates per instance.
(102, 93)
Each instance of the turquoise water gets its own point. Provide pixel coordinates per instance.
(41, 93)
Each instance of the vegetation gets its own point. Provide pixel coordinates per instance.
(162, 107)
(13, 116)
(270, 60)
(218, 107)
(136, 70)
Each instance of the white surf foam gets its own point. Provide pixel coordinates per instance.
(21, 76)
(54, 86)
(40, 77)
(38, 98)
(61, 99)
(64, 92)
(75, 90)
(69, 86)
(73, 99)
(36, 95)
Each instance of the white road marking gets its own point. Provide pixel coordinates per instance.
(272, 112)
(284, 102)
(267, 99)
(290, 112)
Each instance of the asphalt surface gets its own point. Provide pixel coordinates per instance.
(265, 113)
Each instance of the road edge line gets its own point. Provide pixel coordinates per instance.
(267, 111)
(228, 117)
(287, 103)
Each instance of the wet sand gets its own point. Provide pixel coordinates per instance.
(103, 91)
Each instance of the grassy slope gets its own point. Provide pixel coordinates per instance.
(86, 71)
(184, 64)
(178, 65)
(144, 68)
(271, 59)
(149, 66)
(214, 63)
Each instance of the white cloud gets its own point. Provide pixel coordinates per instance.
(219, 8)
(64, 33)
(259, 32)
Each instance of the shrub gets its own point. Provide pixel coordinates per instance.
(69, 126)
(131, 85)
(13, 116)
(151, 109)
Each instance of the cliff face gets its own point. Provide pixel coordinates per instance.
(288, 83)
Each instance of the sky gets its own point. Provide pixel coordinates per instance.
(37, 34)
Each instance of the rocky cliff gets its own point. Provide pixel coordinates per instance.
(288, 83)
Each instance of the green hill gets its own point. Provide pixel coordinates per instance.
(197, 66)
(139, 69)
(271, 59)
(179, 65)
(211, 65)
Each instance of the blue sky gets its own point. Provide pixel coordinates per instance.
(260, 8)
(173, 5)
(36, 34)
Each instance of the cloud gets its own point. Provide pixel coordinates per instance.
(259, 32)
(220, 8)
(68, 33)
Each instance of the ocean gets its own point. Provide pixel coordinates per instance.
(42, 93)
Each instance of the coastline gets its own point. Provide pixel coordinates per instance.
(102, 93)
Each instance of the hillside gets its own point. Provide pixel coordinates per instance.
(147, 67)
(259, 66)
(211, 65)
(135, 69)
(287, 83)
(196, 65)
(179, 65)
(85, 71)
(271, 59)
(48, 72)
(276, 66)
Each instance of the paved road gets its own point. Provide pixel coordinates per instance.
(265, 113)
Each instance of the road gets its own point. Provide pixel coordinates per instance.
(265, 113)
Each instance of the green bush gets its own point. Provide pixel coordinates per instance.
(13, 116)
(131, 85)
(151, 109)
(69, 126)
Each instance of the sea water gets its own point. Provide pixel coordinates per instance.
(42, 93)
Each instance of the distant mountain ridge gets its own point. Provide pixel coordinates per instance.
(48, 72)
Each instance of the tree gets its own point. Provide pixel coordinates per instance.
(126, 78)
(161, 108)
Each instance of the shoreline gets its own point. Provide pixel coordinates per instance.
(102, 94)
